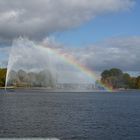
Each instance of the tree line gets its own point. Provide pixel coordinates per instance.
(115, 78)
(3, 72)
(22, 78)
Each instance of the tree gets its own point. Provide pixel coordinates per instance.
(112, 77)
(132, 83)
(138, 82)
(3, 77)
(116, 72)
(117, 79)
(105, 74)
(126, 80)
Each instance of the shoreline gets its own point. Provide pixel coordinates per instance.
(65, 90)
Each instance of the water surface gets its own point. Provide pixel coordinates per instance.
(70, 115)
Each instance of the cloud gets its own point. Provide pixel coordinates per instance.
(28, 55)
(116, 52)
(121, 52)
(36, 19)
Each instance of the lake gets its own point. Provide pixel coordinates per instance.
(70, 115)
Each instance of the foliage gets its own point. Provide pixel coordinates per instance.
(2, 77)
(115, 78)
(32, 79)
(23, 79)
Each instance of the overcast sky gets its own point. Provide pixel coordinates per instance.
(101, 34)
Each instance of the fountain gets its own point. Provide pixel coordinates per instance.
(32, 65)
(29, 66)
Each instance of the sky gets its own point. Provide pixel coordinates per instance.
(100, 34)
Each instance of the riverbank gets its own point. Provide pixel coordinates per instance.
(36, 89)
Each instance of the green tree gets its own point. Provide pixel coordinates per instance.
(105, 74)
(2, 77)
(112, 77)
(116, 72)
(126, 80)
(138, 82)
(132, 83)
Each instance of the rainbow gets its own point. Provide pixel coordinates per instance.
(74, 62)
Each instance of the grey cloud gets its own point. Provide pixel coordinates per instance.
(120, 52)
(36, 19)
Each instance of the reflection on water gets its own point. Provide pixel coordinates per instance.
(70, 116)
